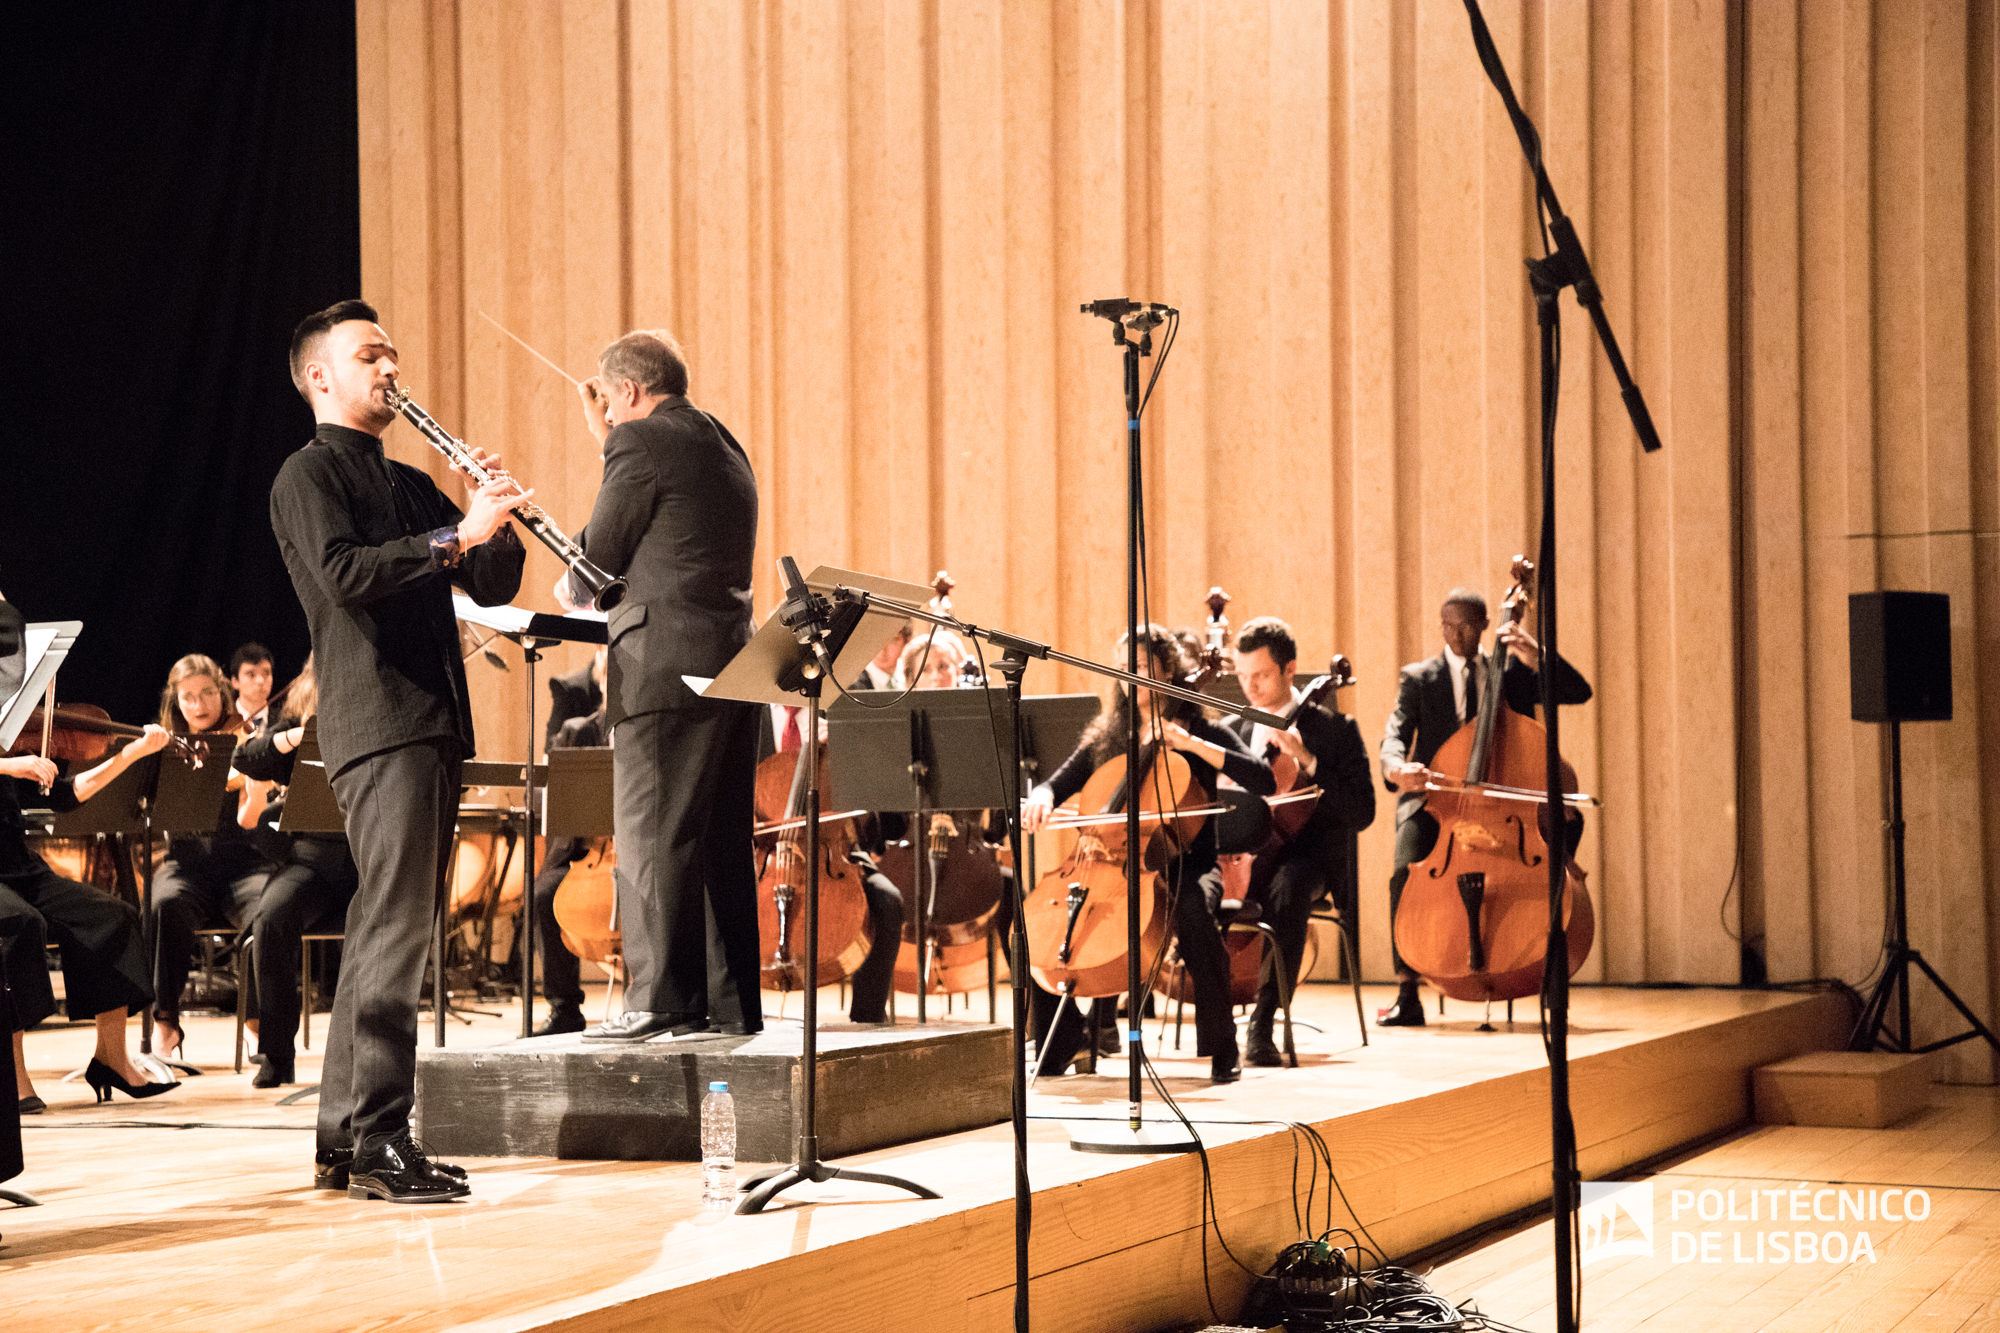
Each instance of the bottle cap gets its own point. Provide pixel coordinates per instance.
(718, 1087)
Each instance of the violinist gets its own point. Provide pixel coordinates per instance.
(314, 882)
(1327, 747)
(206, 877)
(562, 972)
(251, 676)
(1210, 748)
(1434, 698)
(103, 950)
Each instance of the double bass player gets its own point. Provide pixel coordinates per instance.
(1434, 698)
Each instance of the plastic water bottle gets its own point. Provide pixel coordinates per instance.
(718, 1145)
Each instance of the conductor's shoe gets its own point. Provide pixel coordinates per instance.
(1406, 1012)
(752, 1029)
(272, 1070)
(398, 1170)
(562, 1018)
(637, 1025)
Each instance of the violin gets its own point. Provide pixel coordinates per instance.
(844, 927)
(1474, 918)
(81, 733)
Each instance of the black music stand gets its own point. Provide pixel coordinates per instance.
(577, 803)
(792, 654)
(533, 631)
(938, 748)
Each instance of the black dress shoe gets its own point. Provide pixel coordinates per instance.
(331, 1167)
(562, 1018)
(272, 1071)
(1224, 1067)
(1406, 1012)
(33, 1106)
(752, 1029)
(398, 1170)
(637, 1025)
(1263, 1052)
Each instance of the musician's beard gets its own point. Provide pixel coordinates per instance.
(372, 407)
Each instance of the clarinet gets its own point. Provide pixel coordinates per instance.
(605, 591)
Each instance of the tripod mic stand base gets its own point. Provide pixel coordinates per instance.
(761, 1189)
(1118, 1136)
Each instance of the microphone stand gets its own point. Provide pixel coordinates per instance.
(1565, 266)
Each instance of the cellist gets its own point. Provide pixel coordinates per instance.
(1327, 747)
(1210, 748)
(1434, 698)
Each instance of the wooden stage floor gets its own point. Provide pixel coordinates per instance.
(192, 1210)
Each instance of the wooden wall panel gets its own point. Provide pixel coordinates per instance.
(871, 223)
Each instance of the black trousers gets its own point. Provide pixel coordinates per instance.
(877, 973)
(562, 974)
(1201, 950)
(310, 892)
(193, 890)
(103, 947)
(1302, 879)
(399, 806)
(684, 801)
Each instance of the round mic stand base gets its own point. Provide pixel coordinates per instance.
(1124, 1137)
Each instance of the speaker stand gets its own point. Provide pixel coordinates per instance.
(1873, 1030)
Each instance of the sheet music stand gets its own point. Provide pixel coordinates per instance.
(533, 631)
(779, 661)
(46, 644)
(937, 748)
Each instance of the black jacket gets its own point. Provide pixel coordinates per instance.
(1426, 713)
(357, 531)
(1347, 789)
(676, 517)
(574, 695)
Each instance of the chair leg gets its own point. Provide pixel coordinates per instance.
(1272, 967)
(244, 977)
(1353, 976)
(308, 995)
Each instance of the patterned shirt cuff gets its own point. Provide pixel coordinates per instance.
(506, 538)
(445, 550)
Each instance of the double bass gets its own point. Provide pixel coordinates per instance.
(1474, 918)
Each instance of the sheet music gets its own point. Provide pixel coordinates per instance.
(508, 619)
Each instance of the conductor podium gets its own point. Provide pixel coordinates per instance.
(803, 1092)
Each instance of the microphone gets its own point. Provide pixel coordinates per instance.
(804, 613)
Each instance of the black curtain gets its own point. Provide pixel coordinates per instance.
(182, 188)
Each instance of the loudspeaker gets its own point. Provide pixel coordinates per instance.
(1899, 656)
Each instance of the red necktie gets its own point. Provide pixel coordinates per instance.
(792, 738)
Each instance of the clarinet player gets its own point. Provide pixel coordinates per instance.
(373, 547)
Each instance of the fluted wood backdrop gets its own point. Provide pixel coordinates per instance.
(871, 223)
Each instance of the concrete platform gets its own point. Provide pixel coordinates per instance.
(640, 1101)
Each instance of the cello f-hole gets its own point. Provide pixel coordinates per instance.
(1521, 842)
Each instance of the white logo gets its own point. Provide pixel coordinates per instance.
(1616, 1217)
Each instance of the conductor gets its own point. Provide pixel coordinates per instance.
(676, 517)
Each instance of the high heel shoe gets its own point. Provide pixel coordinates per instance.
(102, 1078)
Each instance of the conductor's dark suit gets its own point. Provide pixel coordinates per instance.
(1426, 717)
(677, 519)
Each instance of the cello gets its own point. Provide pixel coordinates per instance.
(1474, 918)
(1076, 916)
(844, 927)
